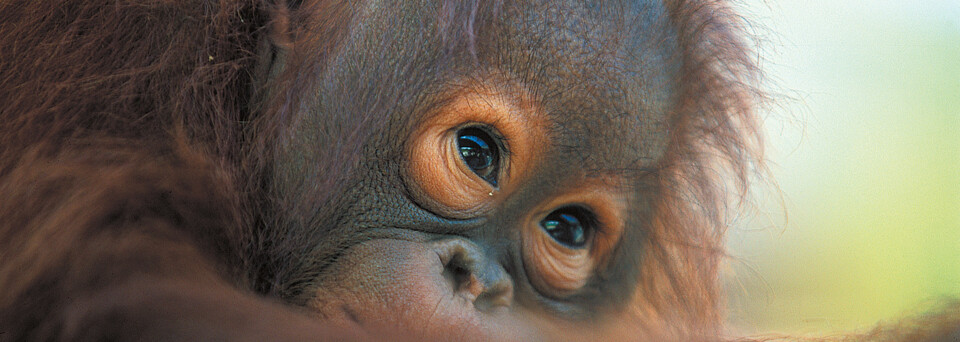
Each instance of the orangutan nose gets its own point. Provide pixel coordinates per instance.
(474, 275)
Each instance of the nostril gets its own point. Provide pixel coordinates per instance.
(461, 278)
(461, 275)
(473, 275)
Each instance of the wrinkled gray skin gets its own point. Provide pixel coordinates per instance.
(604, 75)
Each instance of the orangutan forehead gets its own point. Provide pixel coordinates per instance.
(605, 73)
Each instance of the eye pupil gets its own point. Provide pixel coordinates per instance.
(479, 152)
(475, 152)
(568, 226)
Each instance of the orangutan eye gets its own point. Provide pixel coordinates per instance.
(480, 153)
(570, 226)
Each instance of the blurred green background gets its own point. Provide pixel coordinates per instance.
(864, 143)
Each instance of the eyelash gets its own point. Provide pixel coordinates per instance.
(503, 143)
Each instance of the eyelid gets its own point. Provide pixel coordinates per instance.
(503, 143)
(557, 270)
(511, 117)
(499, 160)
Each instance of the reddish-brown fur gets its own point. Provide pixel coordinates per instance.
(134, 148)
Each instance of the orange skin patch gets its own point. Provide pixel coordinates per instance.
(442, 181)
(560, 270)
(444, 184)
